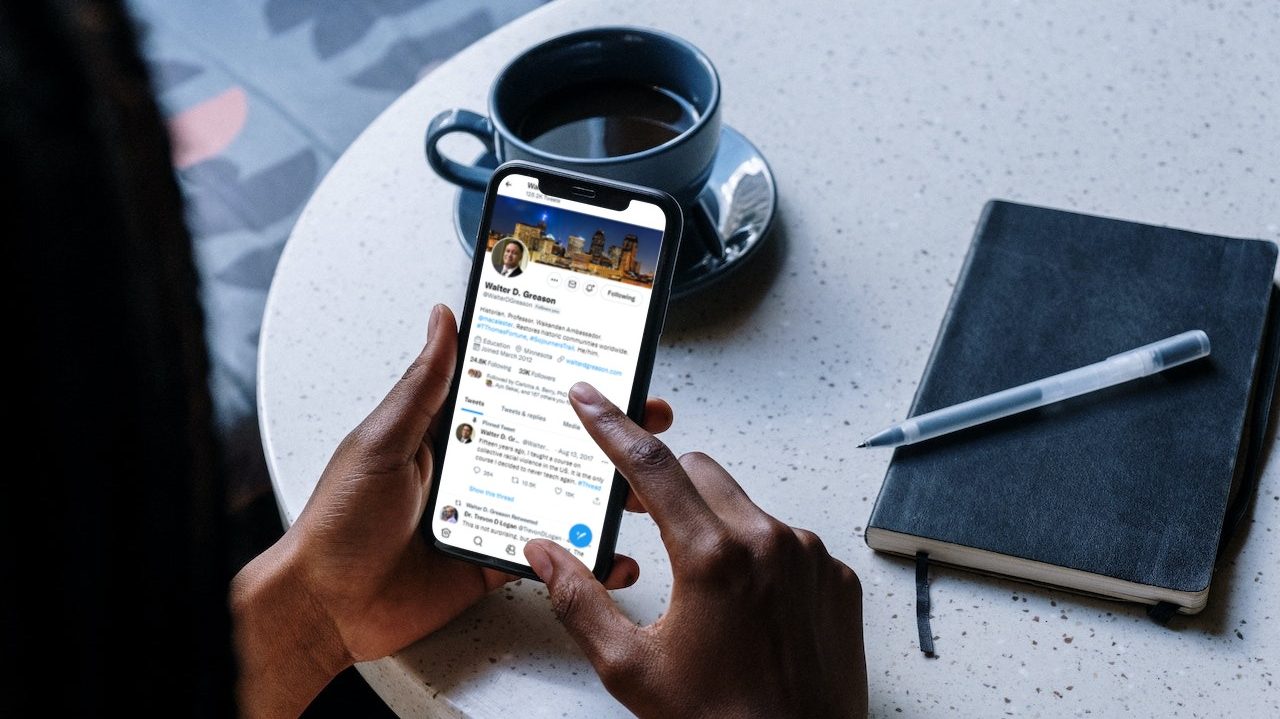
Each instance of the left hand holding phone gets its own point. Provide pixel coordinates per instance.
(353, 580)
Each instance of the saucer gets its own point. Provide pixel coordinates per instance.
(727, 224)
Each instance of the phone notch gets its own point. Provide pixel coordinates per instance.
(597, 195)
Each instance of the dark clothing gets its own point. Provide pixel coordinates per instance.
(118, 593)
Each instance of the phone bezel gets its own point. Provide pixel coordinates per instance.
(607, 194)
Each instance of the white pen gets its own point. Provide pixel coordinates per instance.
(1123, 367)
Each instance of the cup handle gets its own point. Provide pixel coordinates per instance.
(476, 125)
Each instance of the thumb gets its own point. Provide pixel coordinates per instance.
(400, 422)
(583, 606)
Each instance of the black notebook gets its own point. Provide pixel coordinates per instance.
(1124, 492)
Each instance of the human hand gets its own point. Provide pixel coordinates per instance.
(762, 620)
(357, 576)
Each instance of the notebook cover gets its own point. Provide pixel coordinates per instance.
(1130, 482)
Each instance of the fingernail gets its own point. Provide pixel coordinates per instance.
(431, 323)
(586, 394)
(540, 561)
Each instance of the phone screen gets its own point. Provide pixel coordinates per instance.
(563, 297)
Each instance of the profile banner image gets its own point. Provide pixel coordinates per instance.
(523, 232)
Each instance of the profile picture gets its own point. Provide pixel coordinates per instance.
(463, 433)
(449, 514)
(473, 372)
(509, 257)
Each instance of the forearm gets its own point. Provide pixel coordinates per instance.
(287, 648)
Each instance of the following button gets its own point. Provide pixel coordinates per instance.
(626, 297)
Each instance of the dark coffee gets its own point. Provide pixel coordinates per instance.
(605, 119)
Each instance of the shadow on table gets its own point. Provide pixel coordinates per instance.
(723, 307)
(1226, 577)
(513, 631)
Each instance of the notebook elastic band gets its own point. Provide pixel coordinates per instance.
(1161, 612)
(922, 604)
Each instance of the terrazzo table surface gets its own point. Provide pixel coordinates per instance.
(888, 126)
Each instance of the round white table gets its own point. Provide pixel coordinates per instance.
(888, 125)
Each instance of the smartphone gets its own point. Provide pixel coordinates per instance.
(569, 283)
